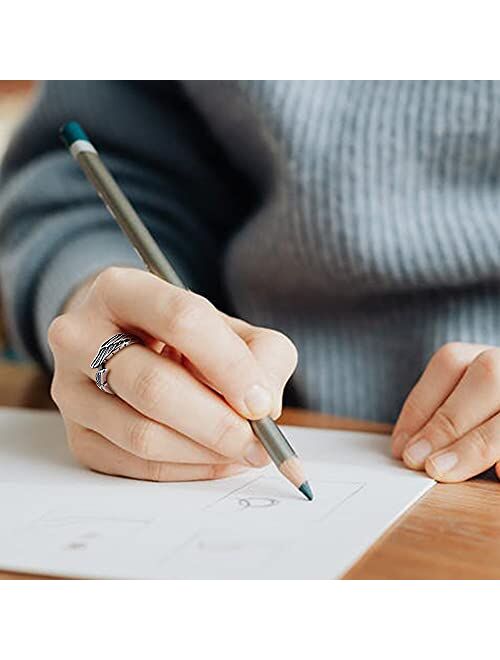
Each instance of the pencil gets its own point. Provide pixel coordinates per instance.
(76, 140)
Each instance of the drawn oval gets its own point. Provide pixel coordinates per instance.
(257, 502)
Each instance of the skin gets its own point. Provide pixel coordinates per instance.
(183, 399)
(449, 425)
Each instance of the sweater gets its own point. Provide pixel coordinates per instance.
(361, 218)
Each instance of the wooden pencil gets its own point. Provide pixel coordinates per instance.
(76, 140)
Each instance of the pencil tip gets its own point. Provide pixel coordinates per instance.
(305, 489)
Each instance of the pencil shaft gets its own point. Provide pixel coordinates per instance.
(275, 443)
(127, 218)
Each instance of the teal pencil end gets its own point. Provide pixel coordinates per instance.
(71, 132)
(305, 489)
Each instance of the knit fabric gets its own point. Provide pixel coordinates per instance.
(359, 217)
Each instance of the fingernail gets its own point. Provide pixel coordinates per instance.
(258, 401)
(417, 453)
(399, 441)
(443, 463)
(256, 455)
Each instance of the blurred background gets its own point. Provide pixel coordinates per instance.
(15, 96)
(20, 383)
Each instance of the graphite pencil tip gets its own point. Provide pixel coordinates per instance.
(305, 489)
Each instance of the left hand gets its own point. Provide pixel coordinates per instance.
(449, 425)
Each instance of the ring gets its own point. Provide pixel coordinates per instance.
(106, 351)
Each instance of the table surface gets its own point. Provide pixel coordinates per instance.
(452, 532)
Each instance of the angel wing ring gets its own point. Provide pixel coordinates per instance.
(106, 351)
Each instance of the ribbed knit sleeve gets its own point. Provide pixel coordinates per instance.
(54, 231)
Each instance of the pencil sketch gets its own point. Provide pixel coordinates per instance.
(78, 533)
(62, 520)
(269, 494)
(257, 502)
(216, 545)
(77, 546)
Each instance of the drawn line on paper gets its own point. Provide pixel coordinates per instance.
(176, 550)
(232, 492)
(345, 499)
(55, 520)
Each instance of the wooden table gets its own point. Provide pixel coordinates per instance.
(453, 532)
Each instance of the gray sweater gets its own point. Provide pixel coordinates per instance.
(360, 218)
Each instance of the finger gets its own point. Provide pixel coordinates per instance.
(474, 453)
(166, 392)
(475, 399)
(119, 423)
(445, 369)
(162, 390)
(278, 357)
(96, 453)
(192, 325)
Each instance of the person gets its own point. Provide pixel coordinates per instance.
(355, 221)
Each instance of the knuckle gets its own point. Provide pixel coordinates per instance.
(108, 278)
(215, 472)
(107, 283)
(230, 435)
(287, 346)
(413, 410)
(139, 437)
(445, 423)
(157, 471)
(489, 362)
(480, 443)
(56, 391)
(237, 364)
(228, 470)
(186, 313)
(149, 388)
(451, 354)
(78, 448)
(62, 333)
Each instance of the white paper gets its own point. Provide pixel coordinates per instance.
(57, 518)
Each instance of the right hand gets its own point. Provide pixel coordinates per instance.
(183, 399)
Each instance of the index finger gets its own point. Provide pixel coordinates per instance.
(135, 299)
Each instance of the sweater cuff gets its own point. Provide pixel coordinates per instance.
(83, 256)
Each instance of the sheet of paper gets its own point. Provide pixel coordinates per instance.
(57, 518)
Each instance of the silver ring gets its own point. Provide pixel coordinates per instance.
(106, 351)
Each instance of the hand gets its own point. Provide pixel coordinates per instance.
(183, 399)
(450, 422)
